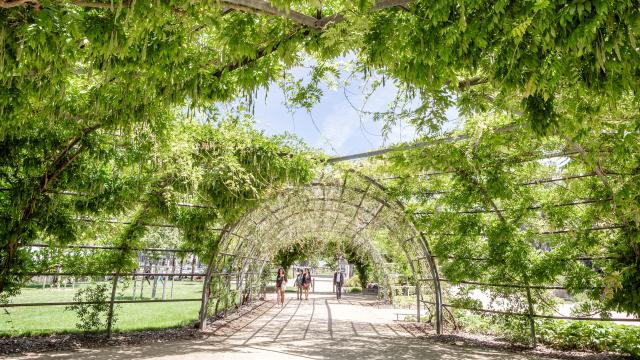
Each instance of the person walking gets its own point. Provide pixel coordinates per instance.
(338, 281)
(306, 282)
(281, 284)
(298, 285)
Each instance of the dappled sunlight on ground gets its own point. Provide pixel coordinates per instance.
(319, 328)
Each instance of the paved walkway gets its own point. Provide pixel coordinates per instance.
(319, 328)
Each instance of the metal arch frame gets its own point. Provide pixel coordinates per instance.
(422, 241)
(363, 242)
(322, 200)
(377, 256)
(359, 241)
(370, 248)
(419, 236)
(276, 231)
(249, 261)
(426, 249)
(281, 225)
(366, 222)
(273, 211)
(272, 214)
(308, 210)
(226, 233)
(323, 185)
(343, 188)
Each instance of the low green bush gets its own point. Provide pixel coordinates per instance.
(590, 335)
(92, 307)
(355, 290)
(353, 281)
(558, 334)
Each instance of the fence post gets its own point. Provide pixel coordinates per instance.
(135, 282)
(144, 277)
(173, 277)
(226, 297)
(164, 285)
(193, 266)
(204, 305)
(532, 322)
(155, 281)
(114, 287)
(418, 300)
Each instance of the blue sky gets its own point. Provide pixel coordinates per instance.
(339, 129)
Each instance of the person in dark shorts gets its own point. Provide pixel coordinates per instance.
(338, 281)
(306, 283)
(281, 284)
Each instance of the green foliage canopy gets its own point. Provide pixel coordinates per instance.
(504, 206)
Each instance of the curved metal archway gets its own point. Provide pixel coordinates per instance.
(358, 203)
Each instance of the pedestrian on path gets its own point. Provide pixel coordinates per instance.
(298, 285)
(281, 284)
(306, 283)
(338, 281)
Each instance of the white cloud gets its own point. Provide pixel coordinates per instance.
(337, 128)
(401, 133)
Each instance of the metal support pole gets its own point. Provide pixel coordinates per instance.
(205, 295)
(142, 286)
(173, 278)
(418, 300)
(164, 286)
(135, 282)
(114, 286)
(144, 277)
(532, 322)
(436, 281)
(155, 283)
(226, 297)
(438, 296)
(193, 266)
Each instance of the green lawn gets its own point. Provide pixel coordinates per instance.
(17, 321)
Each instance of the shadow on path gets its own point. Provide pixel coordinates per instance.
(273, 317)
(313, 310)
(301, 333)
(375, 348)
(329, 324)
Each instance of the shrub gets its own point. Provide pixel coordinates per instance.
(590, 335)
(559, 334)
(353, 281)
(92, 316)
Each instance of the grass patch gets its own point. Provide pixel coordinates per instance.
(45, 320)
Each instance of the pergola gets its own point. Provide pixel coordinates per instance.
(346, 204)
